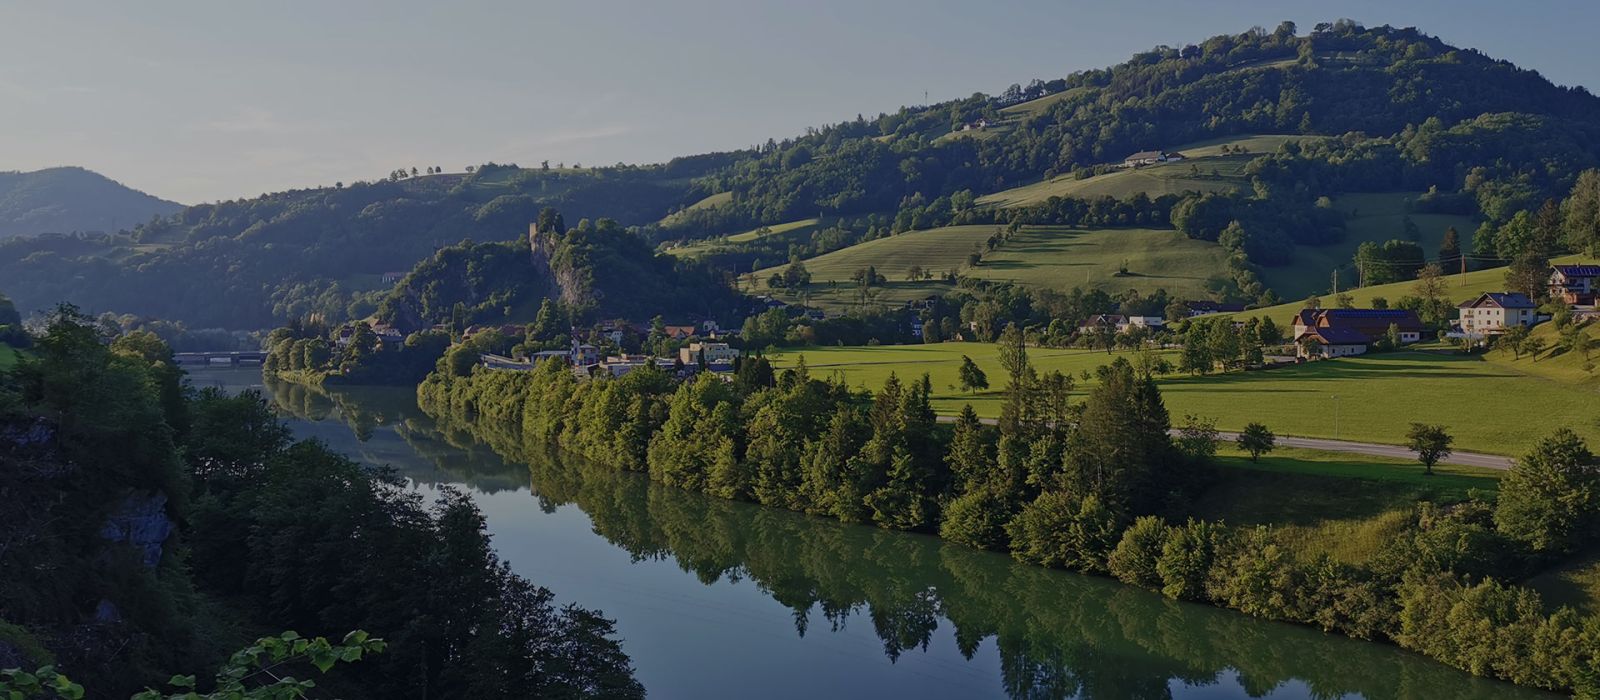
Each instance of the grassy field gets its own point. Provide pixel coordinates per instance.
(1194, 173)
(1374, 217)
(1487, 406)
(1289, 490)
(792, 228)
(1047, 256)
(1575, 583)
(1462, 287)
(1553, 364)
(708, 202)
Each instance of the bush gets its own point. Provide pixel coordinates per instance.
(1134, 560)
(1060, 530)
(1186, 559)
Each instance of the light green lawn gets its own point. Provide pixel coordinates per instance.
(1553, 363)
(1487, 406)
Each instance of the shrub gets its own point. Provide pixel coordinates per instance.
(1134, 560)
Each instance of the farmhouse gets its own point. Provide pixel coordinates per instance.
(1149, 158)
(1493, 312)
(1132, 322)
(715, 353)
(1577, 285)
(1337, 331)
(1206, 308)
(1096, 322)
(1331, 342)
(679, 332)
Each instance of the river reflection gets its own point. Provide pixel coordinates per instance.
(718, 599)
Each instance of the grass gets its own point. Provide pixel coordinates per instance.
(792, 228)
(8, 357)
(1487, 406)
(708, 202)
(1462, 287)
(1575, 583)
(1374, 217)
(1045, 256)
(1191, 174)
(1372, 497)
(1552, 363)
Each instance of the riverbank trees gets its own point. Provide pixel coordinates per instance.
(1090, 486)
(151, 529)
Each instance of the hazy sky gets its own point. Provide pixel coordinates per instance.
(199, 101)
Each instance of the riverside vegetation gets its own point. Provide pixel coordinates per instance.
(1096, 487)
(152, 529)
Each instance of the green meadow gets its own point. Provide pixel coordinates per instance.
(1488, 406)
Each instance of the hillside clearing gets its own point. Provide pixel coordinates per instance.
(1054, 257)
(700, 247)
(707, 202)
(1376, 217)
(1204, 169)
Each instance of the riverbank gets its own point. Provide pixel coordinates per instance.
(1409, 595)
(716, 597)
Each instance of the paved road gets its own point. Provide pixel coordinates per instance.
(1469, 459)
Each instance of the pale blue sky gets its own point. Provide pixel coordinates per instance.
(204, 100)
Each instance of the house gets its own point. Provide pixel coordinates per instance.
(981, 123)
(916, 327)
(1577, 285)
(1331, 342)
(679, 332)
(1149, 158)
(1132, 322)
(1337, 331)
(1493, 312)
(715, 353)
(1206, 308)
(1096, 322)
(1373, 323)
(392, 277)
(584, 354)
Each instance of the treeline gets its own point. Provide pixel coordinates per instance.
(1096, 486)
(152, 529)
(352, 354)
(1053, 631)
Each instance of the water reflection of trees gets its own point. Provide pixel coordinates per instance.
(1058, 634)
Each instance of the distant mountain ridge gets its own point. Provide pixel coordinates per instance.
(70, 198)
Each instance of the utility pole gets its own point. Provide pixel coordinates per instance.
(1336, 280)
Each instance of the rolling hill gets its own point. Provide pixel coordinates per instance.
(1052, 257)
(69, 199)
(1491, 137)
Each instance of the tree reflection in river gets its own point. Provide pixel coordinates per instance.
(1058, 634)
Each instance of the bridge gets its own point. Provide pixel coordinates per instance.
(238, 357)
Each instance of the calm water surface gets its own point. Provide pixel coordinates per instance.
(722, 599)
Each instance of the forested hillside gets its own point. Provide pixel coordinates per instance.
(64, 200)
(1346, 109)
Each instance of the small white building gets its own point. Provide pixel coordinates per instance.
(1493, 312)
(1330, 342)
(1131, 322)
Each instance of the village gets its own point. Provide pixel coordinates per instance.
(616, 347)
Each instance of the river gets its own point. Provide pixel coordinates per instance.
(720, 599)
